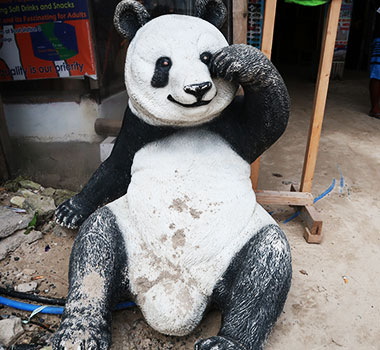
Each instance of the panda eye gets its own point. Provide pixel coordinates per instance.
(164, 62)
(161, 72)
(205, 57)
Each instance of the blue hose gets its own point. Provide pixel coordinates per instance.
(53, 310)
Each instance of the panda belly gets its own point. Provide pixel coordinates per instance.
(188, 210)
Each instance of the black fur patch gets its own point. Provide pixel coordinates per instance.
(252, 292)
(161, 72)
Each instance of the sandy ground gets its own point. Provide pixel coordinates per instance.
(334, 300)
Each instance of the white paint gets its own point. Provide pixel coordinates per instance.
(106, 147)
(189, 209)
(183, 39)
(53, 122)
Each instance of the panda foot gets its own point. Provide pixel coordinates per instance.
(71, 337)
(217, 343)
(73, 212)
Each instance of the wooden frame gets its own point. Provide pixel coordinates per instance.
(313, 222)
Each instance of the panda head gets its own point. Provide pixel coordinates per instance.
(166, 71)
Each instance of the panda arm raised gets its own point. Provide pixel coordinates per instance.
(111, 180)
(253, 123)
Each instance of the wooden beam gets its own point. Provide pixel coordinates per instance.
(266, 48)
(320, 97)
(255, 171)
(268, 27)
(284, 198)
(5, 147)
(239, 18)
(107, 127)
(313, 224)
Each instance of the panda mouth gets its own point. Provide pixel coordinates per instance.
(195, 104)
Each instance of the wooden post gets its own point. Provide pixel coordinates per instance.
(327, 53)
(266, 48)
(5, 146)
(240, 15)
(268, 27)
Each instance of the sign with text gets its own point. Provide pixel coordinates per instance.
(45, 39)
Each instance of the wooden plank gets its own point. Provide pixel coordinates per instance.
(320, 97)
(239, 18)
(284, 198)
(266, 48)
(107, 127)
(313, 222)
(4, 172)
(5, 146)
(255, 170)
(268, 27)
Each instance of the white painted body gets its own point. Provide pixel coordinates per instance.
(189, 209)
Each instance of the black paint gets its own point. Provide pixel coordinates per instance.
(129, 17)
(198, 90)
(191, 105)
(213, 11)
(161, 72)
(251, 124)
(205, 57)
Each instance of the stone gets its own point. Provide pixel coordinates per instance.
(18, 201)
(10, 330)
(30, 185)
(11, 221)
(49, 192)
(61, 195)
(38, 203)
(29, 272)
(11, 243)
(26, 287)
(60, 231)
(13, 185)
(48, 227)
(26, 193)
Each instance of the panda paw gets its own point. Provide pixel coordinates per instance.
(217, 343)
(69, 338)
(76, 333)
(72, 213)
(240, 63)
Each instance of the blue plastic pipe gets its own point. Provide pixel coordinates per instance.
(53, 310)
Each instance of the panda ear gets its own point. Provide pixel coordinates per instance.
(129, 17)
(213, 11)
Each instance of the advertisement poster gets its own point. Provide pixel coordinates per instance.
(343, 31)
(45, 39)
(255, 22)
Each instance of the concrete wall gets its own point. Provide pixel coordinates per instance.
(55, 143)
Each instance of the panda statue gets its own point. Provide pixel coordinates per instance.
(182, 229)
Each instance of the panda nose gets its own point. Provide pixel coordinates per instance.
(198, 90)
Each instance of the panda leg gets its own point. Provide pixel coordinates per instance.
(252, 292)
(97, 270)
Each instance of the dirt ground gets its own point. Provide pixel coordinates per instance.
(334, 300)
